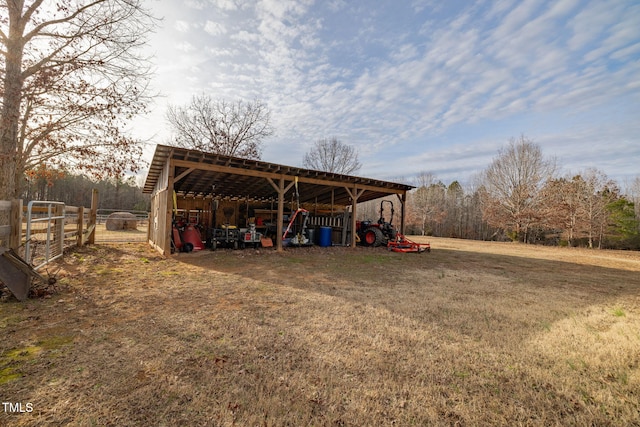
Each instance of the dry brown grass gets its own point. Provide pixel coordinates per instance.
(471, 334)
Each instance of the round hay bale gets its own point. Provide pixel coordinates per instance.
(118, 221)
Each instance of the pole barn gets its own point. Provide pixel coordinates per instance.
(189, 181)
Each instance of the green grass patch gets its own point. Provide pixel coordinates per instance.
(12, 360)
(21, 354)
(8, 374)
(618, 312)
(56, 342)
(170, 273)
(10, 321)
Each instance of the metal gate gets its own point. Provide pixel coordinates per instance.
(45, 232)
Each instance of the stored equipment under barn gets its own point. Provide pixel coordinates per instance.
(213, 190)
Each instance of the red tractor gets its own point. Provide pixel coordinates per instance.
(383, 233)
(377, 233)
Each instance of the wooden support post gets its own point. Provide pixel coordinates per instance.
(333, 199)
(79, 226)
(355, 195)
(93, 217)
(280, 215)
(354, 204)
(15, 222)
(404, 212)
(403, 201)
(281, 190)
(166, 242)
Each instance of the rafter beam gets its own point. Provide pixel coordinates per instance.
(277, 176)
(183, 174)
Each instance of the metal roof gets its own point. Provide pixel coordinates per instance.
(201, 174)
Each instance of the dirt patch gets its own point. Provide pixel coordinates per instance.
(471, 334)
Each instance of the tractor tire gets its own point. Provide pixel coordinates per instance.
(373, 237)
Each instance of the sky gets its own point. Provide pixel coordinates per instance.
(415, 86)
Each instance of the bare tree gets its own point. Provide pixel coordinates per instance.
(221, 127)
(512, 187)
(599, 191)
(577, 206)
(427, 202)
(72, 74)
(454, 205)
(331, 155)
(564, 207)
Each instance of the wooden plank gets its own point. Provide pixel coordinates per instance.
(90, 231)
(14, 274)
(183, 174)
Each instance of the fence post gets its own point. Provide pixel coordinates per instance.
(15, 221)
(93, 216)
(79, 227)
(59, 229)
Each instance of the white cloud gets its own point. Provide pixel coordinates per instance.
(245, 37)
(228, 5)
(627, 52)
(561, 8)
(589, 24)
(214, 28)
(221, 52)
(336, 5)
(185, 47)
(196, 4)
(181, 26)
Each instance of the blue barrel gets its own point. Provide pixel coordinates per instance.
(324, 238)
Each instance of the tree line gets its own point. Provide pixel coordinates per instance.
(520, 197)
(76, 190)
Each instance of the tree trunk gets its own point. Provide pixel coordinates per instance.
(600, 236)
(13, 81)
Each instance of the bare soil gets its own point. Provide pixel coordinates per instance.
(473, 333)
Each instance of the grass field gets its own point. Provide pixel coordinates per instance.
(473, 333)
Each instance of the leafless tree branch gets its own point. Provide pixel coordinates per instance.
(218, 126)
(331, 155)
